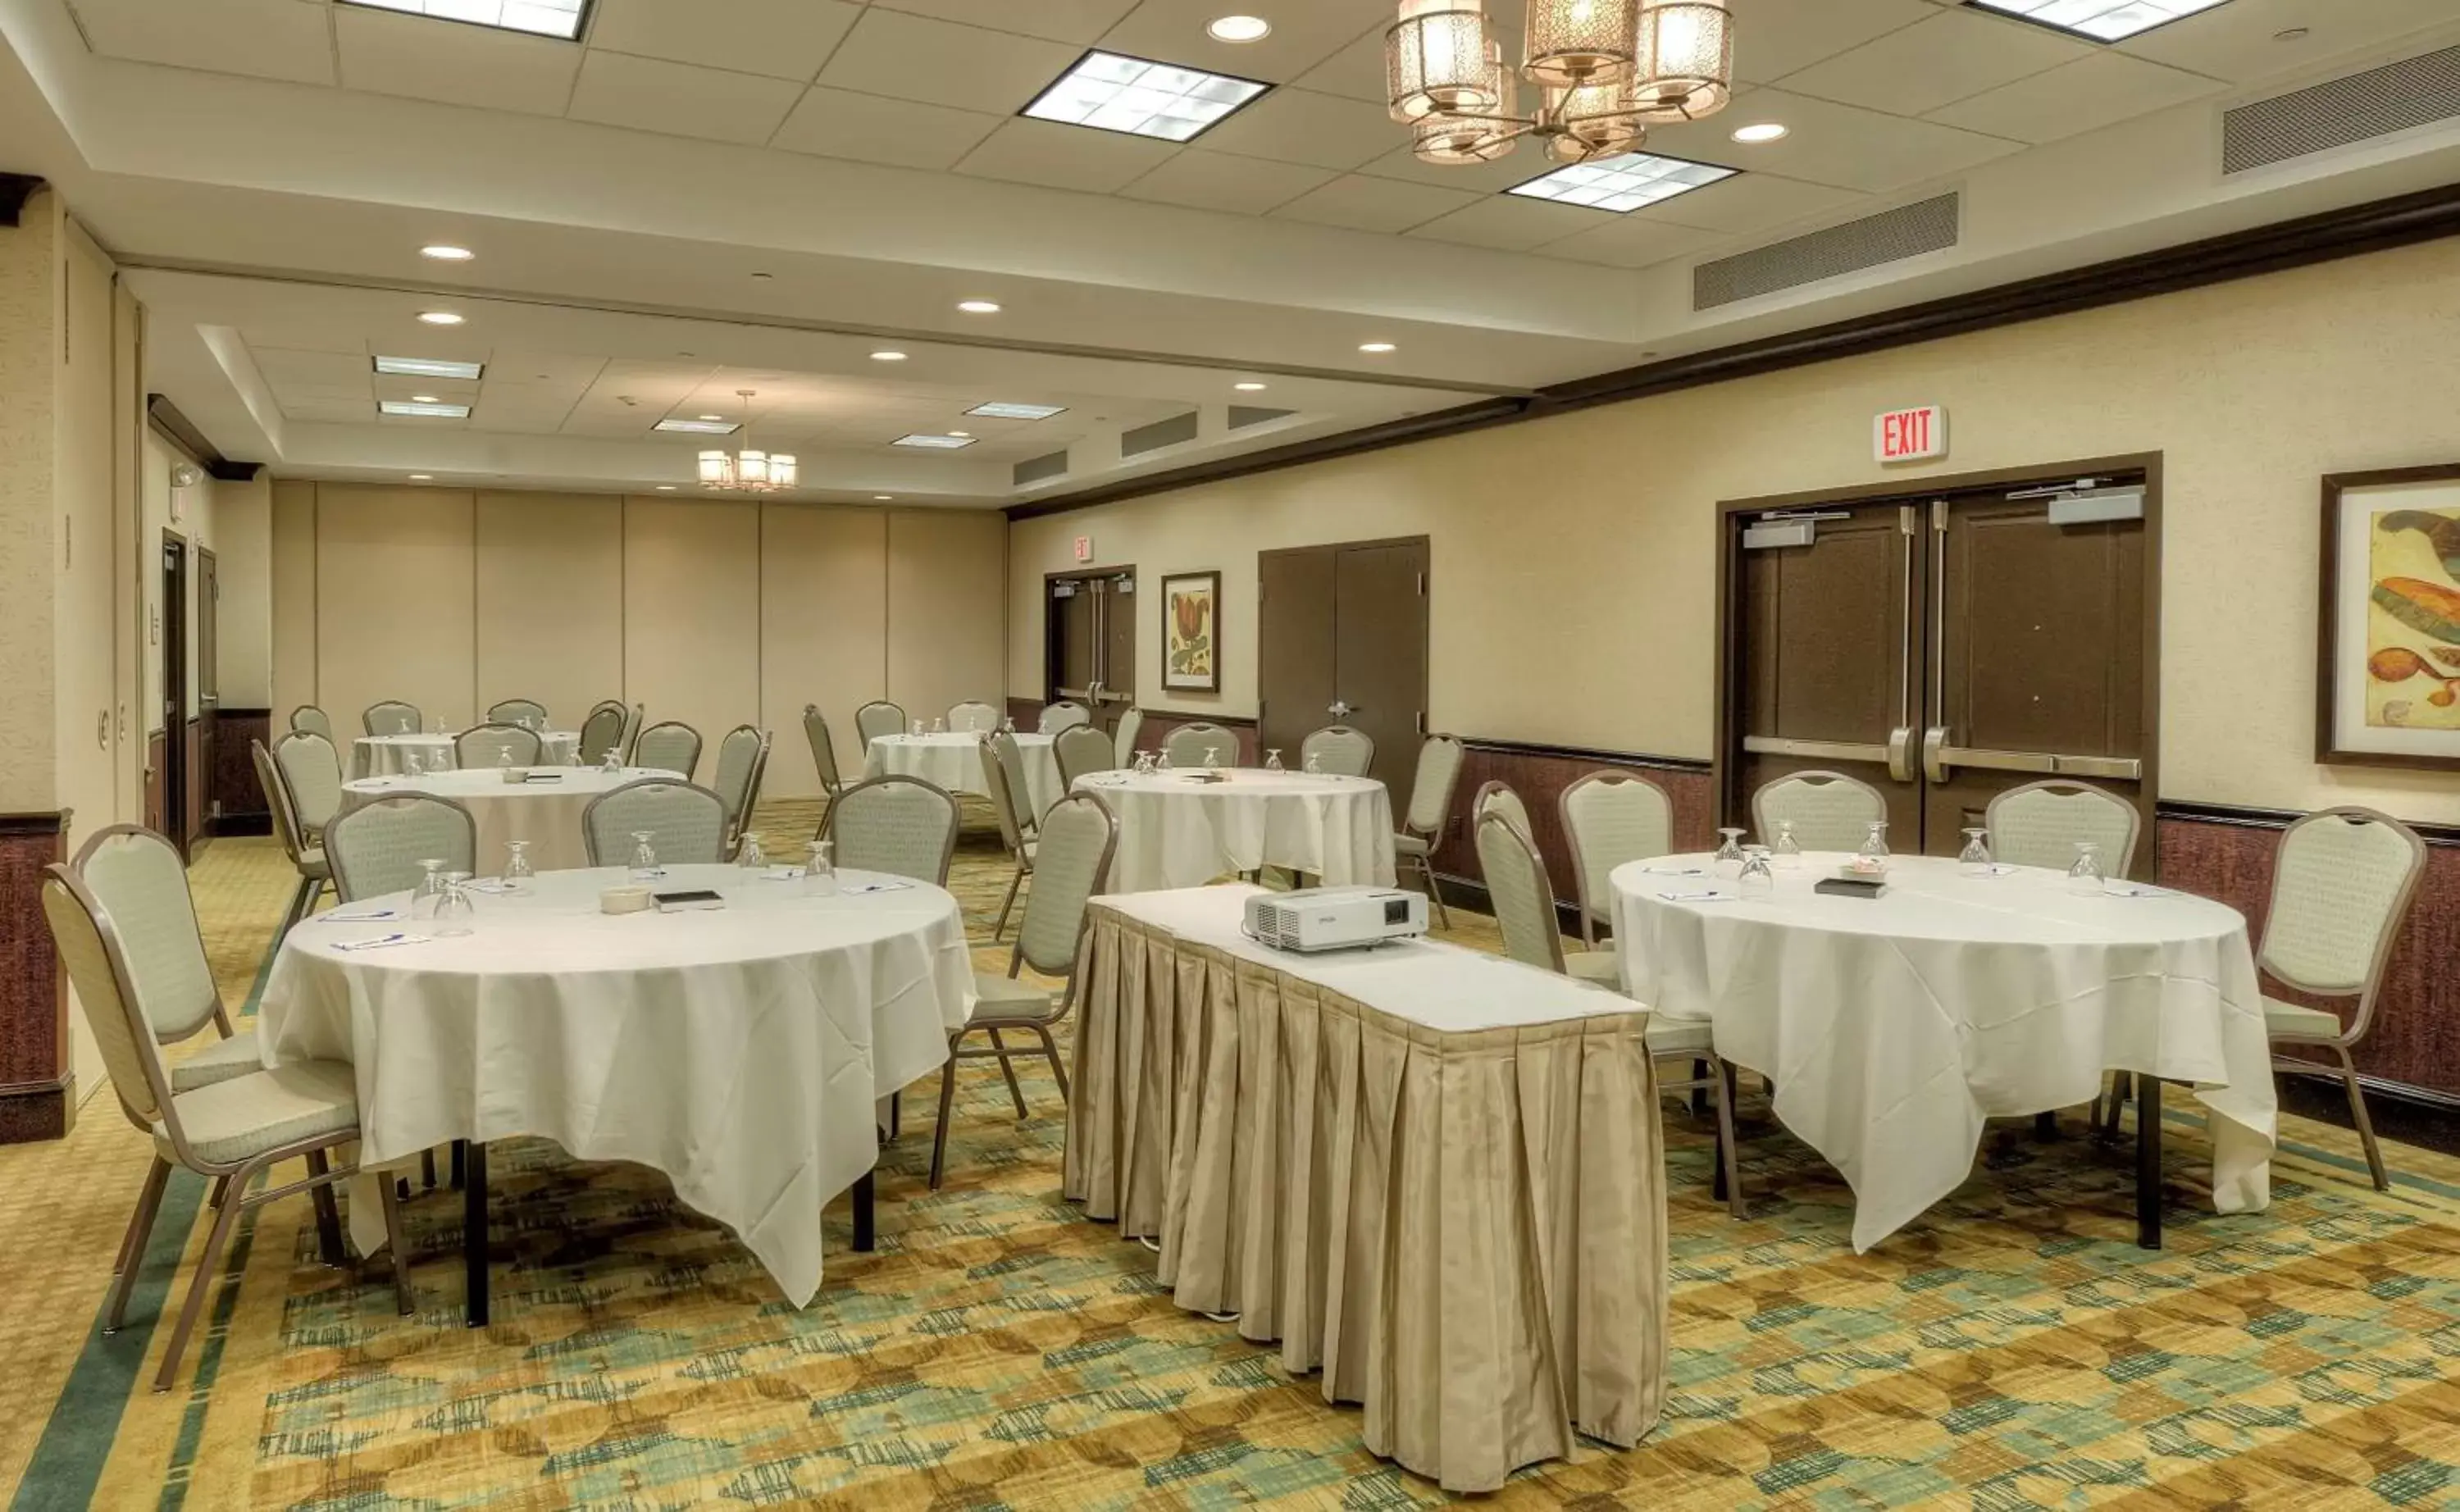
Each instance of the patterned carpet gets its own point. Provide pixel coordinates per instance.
(2012, 1350)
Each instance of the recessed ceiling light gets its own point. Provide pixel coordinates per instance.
(555, 18)
(885, 498)
(422, 478)
(430, 368)
(1765, 131)
(889, 357)
(712, 416)
(665, 488)
(1238, 28)
(978, 307)
(966, 435)
(1141, 98)
(439, 317)
(1378, 347)
(699, 427)
(412, 409)
(1017, 412)
(2101, 20)
(1248, 387)
(1623, 184)
(445, 252)
(935, 443)
(426, 398)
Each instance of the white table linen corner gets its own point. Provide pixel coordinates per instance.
(953, 760)
(1177, 831)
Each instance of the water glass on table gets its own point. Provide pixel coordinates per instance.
(820, 875)
(518, 874)
(2087, 877)
(644, 856)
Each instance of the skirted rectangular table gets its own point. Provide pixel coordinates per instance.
(1434, 1175)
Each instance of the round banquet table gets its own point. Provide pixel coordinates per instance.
(385, 756)
(547, 814)
(1176, 830)
(1891, 1028)
(741, 1052)
(954, 760)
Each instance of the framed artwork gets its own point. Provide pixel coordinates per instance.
(2387, 667)
(1190, 632)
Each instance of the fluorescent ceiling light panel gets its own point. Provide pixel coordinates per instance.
(555, 18)
(430, 412)
(1017, 412)
(936, 443)
(1623, 184)
(430, 368)
(701, 427)
(2101, 20)
(1142, 98)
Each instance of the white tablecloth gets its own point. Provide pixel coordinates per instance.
(954, 761)
(384, 756)
(1893, 1026)
(1178, 831)
(545, 813)
(741, 1052)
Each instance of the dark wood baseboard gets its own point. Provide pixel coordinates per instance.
(227, 824)
(36, 1076)
(2279, 818)
(37, 1112)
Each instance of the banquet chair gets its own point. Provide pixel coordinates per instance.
(1524, 908)
(313, 720)
(1611, 818)
(1500, 803)
(1124, 740)
(1081, 749)
(1430, 806)
(136, 878)
(825, 757)
(1004, 805)
(313, 773)
(307, 857)
(972, 717)
(1010, 751)
(1077, 838)
(482, 747)
(229, 1132)
(1186, 745)
(527, 713)
(742, 761)
(1499, 798)
(1339, 750)
(2040, 823)
(900, 825)
(632, 720)
(600, 733)
(392, 717)
(379, 847)
(1063, 715)
(686, 825)
(876, 718)
(669, 746)
(1828, 810)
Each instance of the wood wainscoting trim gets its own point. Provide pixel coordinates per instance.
(36, 1091)
(2279, 818)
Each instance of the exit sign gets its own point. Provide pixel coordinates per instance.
(1910, 436)
(1084, 549)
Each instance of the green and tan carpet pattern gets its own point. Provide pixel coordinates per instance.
(2012, 1350)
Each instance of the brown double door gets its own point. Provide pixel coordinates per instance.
(1342, 639)
(1944, 647)
(1091, 658)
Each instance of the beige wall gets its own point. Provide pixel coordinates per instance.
(1572, 559)
(29, 339)
(244, 555)
(187, 513)
(714, 612)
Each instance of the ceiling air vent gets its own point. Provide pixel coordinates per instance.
(2341, 112)
(1034, 469)
(1888, 237)
(1243, 415)
(1158, 435)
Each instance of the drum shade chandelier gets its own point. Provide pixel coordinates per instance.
(1604, 71)
(747, 471)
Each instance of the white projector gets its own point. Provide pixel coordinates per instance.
(1335, 918)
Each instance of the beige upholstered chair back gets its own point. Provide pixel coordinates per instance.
(901, 825)
(1187, 744)
(600, 733)
(742, 760)
(392, 717)
(314, 720)
(671, 746)
(1339, 750)
(2343, 881)
(687, 824)
(1610, 818)
(89, 947)
(1068, 869)
(1124, 743)
(1432, 790)
(277, 802)
(1828, 810)
(824, 750)
(876, 718)
(633, 719)
(378, 848)
(1496, 797)
(483, 746)
(1518, 889)
(1081, 749)
(314, 774)
(1004, 800)
(136, 877)
(2039, 824)
(527, 713)
(1020, 792)
(973, 717)
(1063, 715)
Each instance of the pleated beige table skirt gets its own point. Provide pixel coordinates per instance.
(1465, 1232)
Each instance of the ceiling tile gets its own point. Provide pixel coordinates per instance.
(1376, 204)
(284, 40)
(915, 57)
(680, 100)
(1512, 224)
(1774, 37)
(2076, 97)
(783, 38)
(871, 128)
(1296, 125)
(1631, 240)
(1306, 32)
(1953, 56)
(1355, 73)
(1749, 203)
(1058, 20)
(287, 365)
(460, 65)
(2236, 42)
(1832, 144)
(1061, 157)
(1525, 161)
(1213, 181)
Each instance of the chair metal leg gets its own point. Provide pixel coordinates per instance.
(947, 1100)
(328, 1217)
(220, 1193)
(1729, 1165)
(198, 1285)
(400, 1250)
(475, 1299)
(1007, 1069)
(1051, 1050)
(2365, 1124)
(2148, 1162)
(461, 1153)
(1435, 894)
(427, 1169)
(131, 1247)
(866, 1212)
(1008, 903)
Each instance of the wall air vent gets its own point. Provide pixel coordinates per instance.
(1890, 235)
(1158, 435)
(2341, 112)
(1036, 469)
(1243, 415)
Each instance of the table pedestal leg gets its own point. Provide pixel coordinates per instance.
(2046, 1127)
(328, 1217)
(474, 1234)
(865, 1237)
(2147, 1162)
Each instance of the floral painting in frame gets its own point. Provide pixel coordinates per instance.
(1190, 632)
(2388, 662)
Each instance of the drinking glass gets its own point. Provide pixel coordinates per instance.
(1728, 861)
(644, 856)
(1273, 760)
(820, 874)
(1144, 763)
(431, 888)
(939, 727)
(1315, 763)
(918, 729)
(1875, 846)
(454, 909)
(413, 765)
(1789, 850)
(1007, 724)
(1161, 762)
(1974, 861)
(519, 873)
(2085, 878)
(613, 763)
(504, 759)
(1212, 759)
(750, 856)
(1758, 876)
(442, 760)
